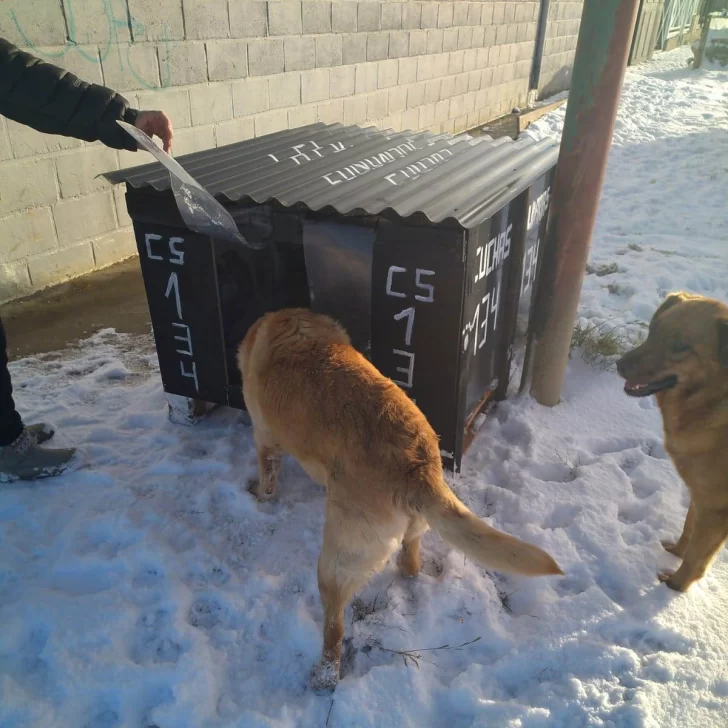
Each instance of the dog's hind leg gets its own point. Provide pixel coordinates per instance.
(353, 551)
(409, 559)
(269, 465)
(710, 532)
(678, 549)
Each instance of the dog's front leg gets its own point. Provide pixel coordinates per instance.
(710, 532)
(678, 549)
(269, 465)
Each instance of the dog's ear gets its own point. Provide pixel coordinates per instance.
(723, 342)
(670, 301)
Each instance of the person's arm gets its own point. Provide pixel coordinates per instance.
(54, 101)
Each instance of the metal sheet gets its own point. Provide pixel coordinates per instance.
(351, 169)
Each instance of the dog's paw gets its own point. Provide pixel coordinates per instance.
(262, 494)
(672, 548)
(324, 676)
(669, 580)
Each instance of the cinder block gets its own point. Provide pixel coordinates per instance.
(511, 34)
(478, 37)
(354, 48)
(509, 15)
(110, 249)
(474, 13)
(486, 14)
(447, 87)
(368, 16)
(131, 67)
(445, 15)
(27, 142)
(435, 41)
(161, 20)
(26, 233)
(377, 46)
(440, 65)
(411, 119)
(342, 81)
(231, 132)
(487, 79)
(461, 84)
(399, 42)
(206, 19)
(473, 119)
(38, 23)
(411, 15)
(501, 35)
(355, 110)
(442, 111)
(366, 78)
(465, 38)
(122, 214)
(285, 90)
(301, 116)
(328, 51)
(250, 96)
(248, 19)
(418, 42)
(416, 95)
(499, 13)
(343, 17)
(300, 53)
(315, 86)
(427, 116)
(182, 64)
(425, 68)
(210, 104)
(77, 170)
(432, 91)
(429, 12)
(194, 140)
(265, 57)
(470, 59)
(227, 60)
(387, 74)
(14, 281)
(460, 14)
(330, 112)
(316, 17)
(450, 40)
(391, 18)
(271, 122)
(26, 183)
(84, 217)
(377, 105)
(60, 265)
(284, 18)
(408, 70)
(5, 150)
(474, 79)
(490, 33)
(93, 23)
(397, 99)
(174, 102)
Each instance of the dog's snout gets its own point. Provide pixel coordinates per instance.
(621, 368)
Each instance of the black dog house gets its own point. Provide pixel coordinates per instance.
(424, 246)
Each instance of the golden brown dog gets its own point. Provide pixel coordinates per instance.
(355, 432)
(684, 363)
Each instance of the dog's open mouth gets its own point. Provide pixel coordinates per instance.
(640, 389)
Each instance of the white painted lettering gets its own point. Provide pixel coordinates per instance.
(148, 239)
(409, 370)
(390, 280)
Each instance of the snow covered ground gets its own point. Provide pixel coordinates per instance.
(149, 589)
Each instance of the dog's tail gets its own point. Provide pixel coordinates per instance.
(489, 547)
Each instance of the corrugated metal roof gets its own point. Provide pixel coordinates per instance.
(365, 170)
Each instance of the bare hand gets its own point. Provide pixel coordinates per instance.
(156, 123)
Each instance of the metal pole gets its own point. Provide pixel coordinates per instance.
(602, 51)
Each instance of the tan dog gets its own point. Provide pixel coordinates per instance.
(684, 363)
(355, 432)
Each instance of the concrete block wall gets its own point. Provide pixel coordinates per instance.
(562, 30)
(228, 70)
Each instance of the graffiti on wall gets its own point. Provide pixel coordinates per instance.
(117, 16)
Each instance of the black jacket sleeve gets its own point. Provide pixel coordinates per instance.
(54, 101)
